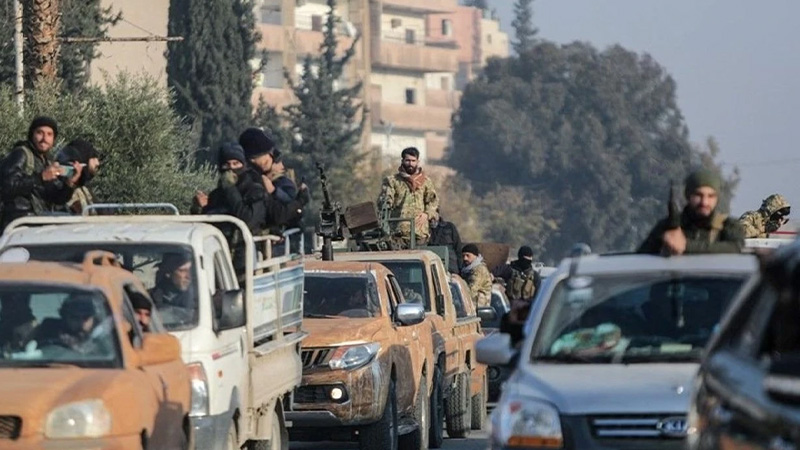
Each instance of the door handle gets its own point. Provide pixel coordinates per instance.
(721, 415)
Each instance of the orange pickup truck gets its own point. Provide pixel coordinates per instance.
(77, 369)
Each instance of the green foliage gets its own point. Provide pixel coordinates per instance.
(84, 18)
(143, 145)
(210, 69)
(524, 31)
(327, 120)
(595, 136)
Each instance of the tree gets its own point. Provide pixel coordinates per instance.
(524, 31)
(41, 23)
(327, 120)
(85, 18)
(144, 146)
(595, 136)
(210, 70)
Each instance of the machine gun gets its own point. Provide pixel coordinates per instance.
(331, 222)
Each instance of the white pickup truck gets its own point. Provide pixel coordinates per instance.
(241, 343)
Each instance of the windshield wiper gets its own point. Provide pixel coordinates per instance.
(320, 316)
(22, 363)
(661, 357)
(571, 358)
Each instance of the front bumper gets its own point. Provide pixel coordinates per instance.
(211, 432)
(362, 403)
(112, 443)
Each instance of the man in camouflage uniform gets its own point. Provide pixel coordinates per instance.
(773, 214)
(701, 228)
(477, 276)
(409, 194)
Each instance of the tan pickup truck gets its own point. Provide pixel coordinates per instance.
(457, 376)
(77, 370)
(366, 363)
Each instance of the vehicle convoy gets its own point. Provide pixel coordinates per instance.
(612, 346)
(233, 337)
(457, 376)
(77, 370)
(746, 393)
(367, 362)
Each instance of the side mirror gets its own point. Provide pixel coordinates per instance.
(410, 313)
(495, 350)
(783, 379)
(229, 308)
(159, 348)
(487, 314)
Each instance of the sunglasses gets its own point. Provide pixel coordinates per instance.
(783, 212)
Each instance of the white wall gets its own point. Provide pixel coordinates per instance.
(394, 85)
(407, 21)
(399, 139)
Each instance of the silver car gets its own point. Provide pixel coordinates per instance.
(612, 345)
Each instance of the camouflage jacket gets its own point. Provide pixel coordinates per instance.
(398, 197)
(719, 234)
(480, 285)
(754, 224)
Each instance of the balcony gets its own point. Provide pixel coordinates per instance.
(442, 99)
(277, 38)
(420, 58)
(422, 6)
(411, 117)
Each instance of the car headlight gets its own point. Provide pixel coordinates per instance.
(521, 422)
(199, 383)
(86, 419)
(353, 356)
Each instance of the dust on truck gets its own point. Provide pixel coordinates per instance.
(241, 342)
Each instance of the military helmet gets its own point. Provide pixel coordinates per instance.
(774, 203)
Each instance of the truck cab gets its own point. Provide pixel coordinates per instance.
(233, 335)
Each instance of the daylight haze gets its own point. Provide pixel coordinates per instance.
(737, 64)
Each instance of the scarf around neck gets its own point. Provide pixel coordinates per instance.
(471, 268)
(414, 181)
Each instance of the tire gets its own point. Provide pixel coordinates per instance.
(382, 435)
(436, 432)
(278, 437)
(478, 404)
(458, 413)
(419, 439)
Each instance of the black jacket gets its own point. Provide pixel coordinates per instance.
(505, 271)
(446, 234)
(26, 194)
(699, 239)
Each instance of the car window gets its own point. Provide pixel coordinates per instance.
(458, 300)
(746, 331)
(412, 279)
(43, 324)
(167, 271)
(633, 318)
(340, 294)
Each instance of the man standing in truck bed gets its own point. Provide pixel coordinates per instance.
(410, 194)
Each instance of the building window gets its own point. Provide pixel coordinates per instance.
(396, 23)
(316, 22)
(489, 38)
(411, 97)
(445, 83)
(411, 36)
(447, 27)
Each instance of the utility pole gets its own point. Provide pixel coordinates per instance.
(19, 85)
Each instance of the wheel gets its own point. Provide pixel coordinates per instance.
(418, 439)
(436, 432)
(458, 413)
(382, 435)
(278, 437)
(478, 404)
(232, 441)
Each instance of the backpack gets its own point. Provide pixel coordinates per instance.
(522, 285)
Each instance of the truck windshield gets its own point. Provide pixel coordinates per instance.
(45, 325)
(167, 270)
(632, 319)
(337, 294)
(413, 280)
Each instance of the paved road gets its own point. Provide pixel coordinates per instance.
(476, 441)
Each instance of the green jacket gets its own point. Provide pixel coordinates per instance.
(402, 202)
(719, 234)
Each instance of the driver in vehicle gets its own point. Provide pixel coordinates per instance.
(16, 322)
(73, 329)
(174, 281)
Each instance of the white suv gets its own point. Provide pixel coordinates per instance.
(612, 345)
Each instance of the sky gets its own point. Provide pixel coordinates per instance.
(736, 63)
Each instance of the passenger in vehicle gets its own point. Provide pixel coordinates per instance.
(142, 308)
(17, 322)
(73, 329)
(174, 281)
